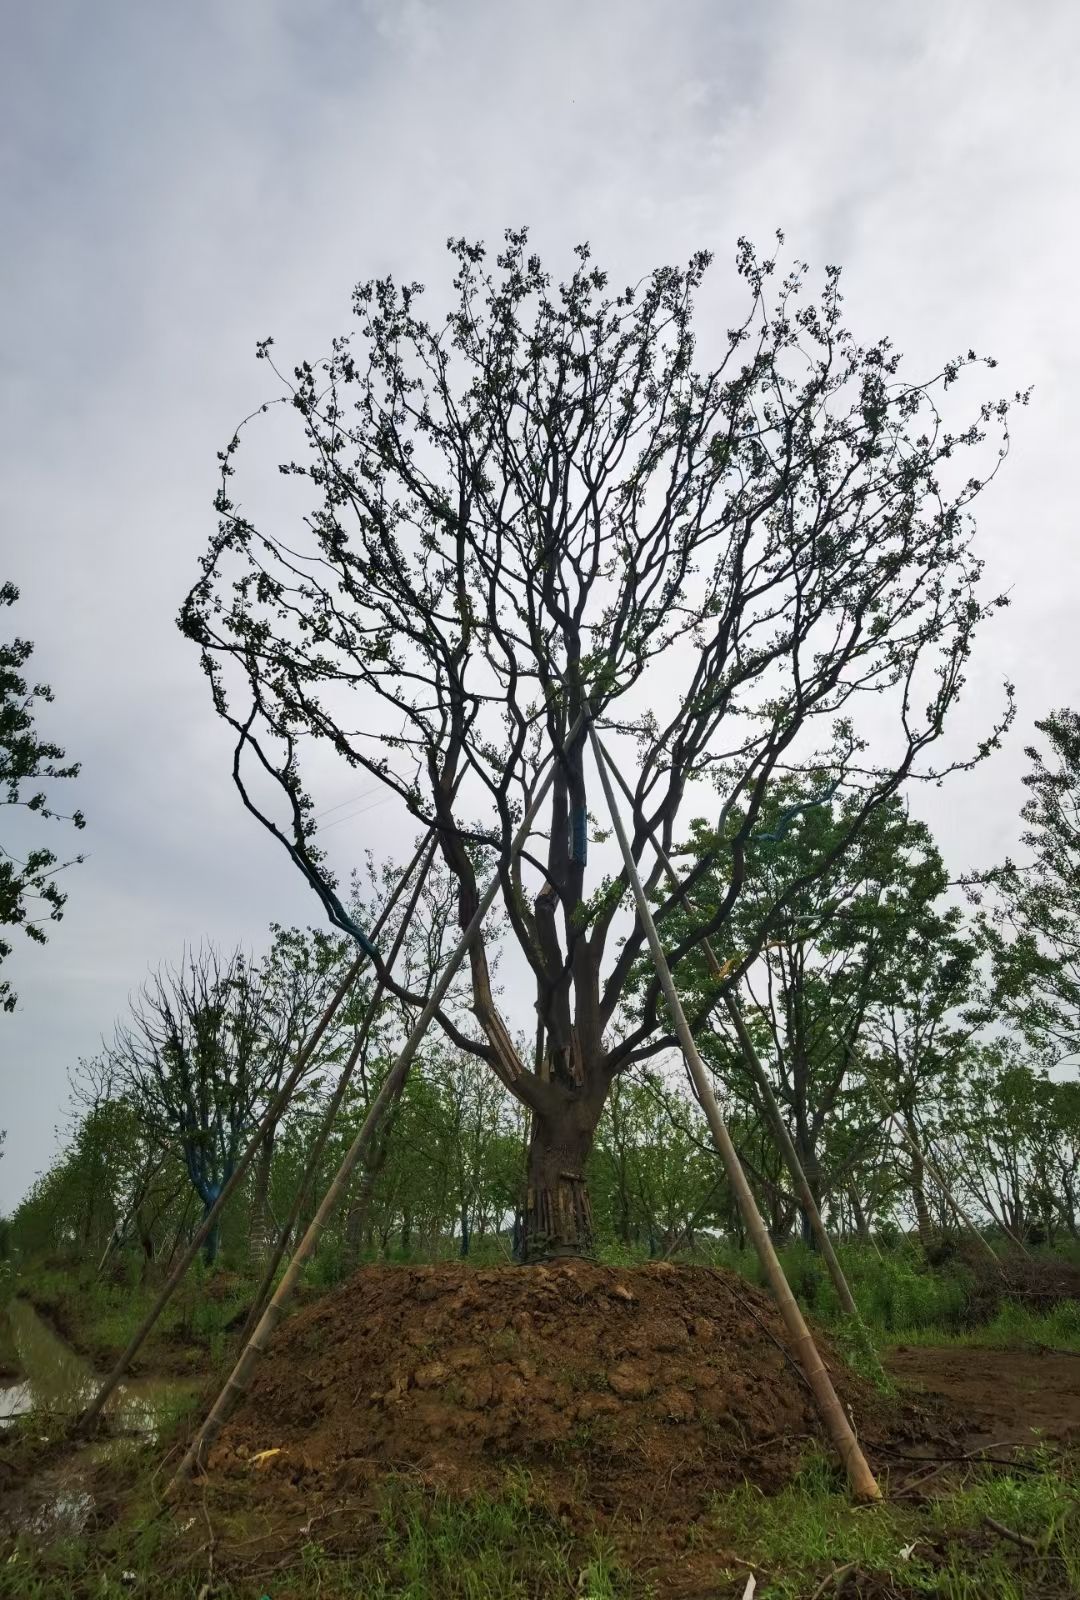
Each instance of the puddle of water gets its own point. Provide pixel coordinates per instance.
(58, 1382)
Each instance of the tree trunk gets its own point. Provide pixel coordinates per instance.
(811, 1166)
(558, 1212)
(927, 1232)
(862, 1227)
(263, 1232)
(213, 1239)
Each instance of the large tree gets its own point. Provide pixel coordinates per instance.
(30, 767)
(544, 510)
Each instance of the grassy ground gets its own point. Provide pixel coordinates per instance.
(97, 1316)
(807, 1540)
(1014, 1327)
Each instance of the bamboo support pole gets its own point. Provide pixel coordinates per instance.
(757, 1072)
(241, 1375)
(263, 1292)
(269, 1118)
(863, 1484)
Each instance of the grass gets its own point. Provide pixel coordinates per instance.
(511, 1546)
(1014, 1327)
(97, 1315)
(421, 1547)
(944, 1547)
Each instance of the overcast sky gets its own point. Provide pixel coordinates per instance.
(177, 181)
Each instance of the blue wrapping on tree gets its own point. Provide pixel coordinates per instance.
(579, 835)
(786, 818)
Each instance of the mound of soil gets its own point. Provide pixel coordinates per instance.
(639, 1389)
(1038, 1282)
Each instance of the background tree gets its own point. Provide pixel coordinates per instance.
(849, 1003)
(195, 1058)
(296, 978)
(29, 766)
(542, 510)
(1032, 913)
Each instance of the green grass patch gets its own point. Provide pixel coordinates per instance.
(505, 1547)
(1014, 1327)
(947, 1548)
(98, 1315)
(511, 1546)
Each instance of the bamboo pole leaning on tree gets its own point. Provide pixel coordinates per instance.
(270, 1116)
(262, 1294)
(863, 1484)
(757, 1072)
(241, 1375)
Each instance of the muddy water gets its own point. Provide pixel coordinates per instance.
(57, 1382)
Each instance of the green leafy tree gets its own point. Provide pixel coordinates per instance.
(29, 767)
(1031, 915)
(849, 999)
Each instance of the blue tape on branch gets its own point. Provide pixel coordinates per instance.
(579, 835)
(787, 817)
(335, 910)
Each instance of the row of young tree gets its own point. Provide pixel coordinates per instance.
(911, 1034)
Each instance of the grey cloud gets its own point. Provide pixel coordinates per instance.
(180, 181)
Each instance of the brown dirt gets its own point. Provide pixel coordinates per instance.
(1002, 1394)
(647, 1390)
(1039, 1283)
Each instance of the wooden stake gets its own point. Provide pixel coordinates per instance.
(270, 1116)
(262, 1294)
(241, 1375)
(862, 1481)
(757, 1071)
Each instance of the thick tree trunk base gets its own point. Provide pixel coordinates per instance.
(558, 1212)
(558, 1219)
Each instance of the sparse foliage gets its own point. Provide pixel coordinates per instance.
(30, 767)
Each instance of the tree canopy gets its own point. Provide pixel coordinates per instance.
(545, 511)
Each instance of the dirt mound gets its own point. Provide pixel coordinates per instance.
(1038, 1282)
(632, 1388)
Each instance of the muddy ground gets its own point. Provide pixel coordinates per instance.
(999, 1397)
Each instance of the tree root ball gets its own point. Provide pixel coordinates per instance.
(640, 1385)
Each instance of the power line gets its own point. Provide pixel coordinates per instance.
(381, 801)
(350, 801)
